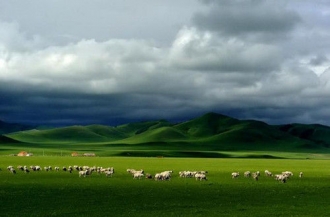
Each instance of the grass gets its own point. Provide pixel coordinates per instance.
(64, 194)
(210, 132)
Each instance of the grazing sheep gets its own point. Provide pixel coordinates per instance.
(138, 175)
(108, 173)
(200, 176)
(12, 170)
(300, 174)
(255, 176)
(26, 170)
(235, 175)
(281, 177)
(287, 173)
(83, 173)
(247, 174)
(56, 168)
(267, 173)
(158, 176)
(166, 175)
(64, 169)
(187, 174)
(133, 171)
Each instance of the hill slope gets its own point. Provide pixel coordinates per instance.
(211, 131)
(319, 134)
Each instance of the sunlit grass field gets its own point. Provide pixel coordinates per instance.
(64, 194)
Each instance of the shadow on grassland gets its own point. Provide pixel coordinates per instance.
(188, 154)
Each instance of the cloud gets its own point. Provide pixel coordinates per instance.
(237, 18)
(248, 62)
(204, 51)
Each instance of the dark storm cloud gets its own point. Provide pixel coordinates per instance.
(235, 18)
(265, 60)
(319, 60)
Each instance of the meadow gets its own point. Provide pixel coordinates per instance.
(64, 194)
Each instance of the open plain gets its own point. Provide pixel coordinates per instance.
(60, 193)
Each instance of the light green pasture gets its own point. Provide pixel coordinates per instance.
(64, 194)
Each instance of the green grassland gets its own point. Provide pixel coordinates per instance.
(211, 135)
(64, 194)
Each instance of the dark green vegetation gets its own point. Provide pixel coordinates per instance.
(64, 194)
(211, 135)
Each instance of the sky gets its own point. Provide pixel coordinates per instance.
(119, 61)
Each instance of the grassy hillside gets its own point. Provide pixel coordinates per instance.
(318, 134)
(209, 133)
(65, 134)
(208, 125)
(7, 140)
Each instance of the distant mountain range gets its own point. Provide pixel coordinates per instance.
(211, 131)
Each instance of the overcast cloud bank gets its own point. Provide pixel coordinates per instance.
(265, 60)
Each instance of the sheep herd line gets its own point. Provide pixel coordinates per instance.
(84, 171)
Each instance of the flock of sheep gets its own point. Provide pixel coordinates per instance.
(84, 171)
(282, 177)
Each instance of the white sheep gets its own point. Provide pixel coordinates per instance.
(200, 176)
(138, 175)
(255, 176)
(158, 176)
(133, 171)
(268, 173)
(83, 173)
(287, 173)
(186, 174)
(166, 175)
(26, 170)
(235, 175)
(281, 177)
(300, 174)
(108, 173)
(247, 174)
(11, 169)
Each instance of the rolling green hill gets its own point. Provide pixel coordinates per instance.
(210, 132)
(319, 134)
